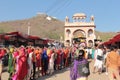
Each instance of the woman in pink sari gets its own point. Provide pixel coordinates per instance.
(21, 65)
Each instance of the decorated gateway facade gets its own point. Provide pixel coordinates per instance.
(79, 31)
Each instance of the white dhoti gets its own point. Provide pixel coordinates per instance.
(98, 64)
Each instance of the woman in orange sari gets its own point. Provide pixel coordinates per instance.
(66, 56)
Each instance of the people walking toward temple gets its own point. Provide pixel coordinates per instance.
(98, 59)
(80, 68)
(113, 64)
(30, 63)
(44, 61)
(51, 63)
(2, 53)
(34, 64)
(11, 62)
(107, 51)
(38, 60)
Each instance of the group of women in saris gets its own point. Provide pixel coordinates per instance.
(18, 66)
(25, 62)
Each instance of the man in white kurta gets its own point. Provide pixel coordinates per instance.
(98, 63)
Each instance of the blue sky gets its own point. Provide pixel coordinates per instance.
(106, 12)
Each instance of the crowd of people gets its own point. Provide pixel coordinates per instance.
(27, 63)
(106, 59)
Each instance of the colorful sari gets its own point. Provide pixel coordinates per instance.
(79, 69)
(10, 63)
(21, 66)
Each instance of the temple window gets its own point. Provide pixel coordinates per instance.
(68, 32)
(90, 32)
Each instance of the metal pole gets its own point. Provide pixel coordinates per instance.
(28, 28)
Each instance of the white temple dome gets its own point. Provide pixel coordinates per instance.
(79, 15)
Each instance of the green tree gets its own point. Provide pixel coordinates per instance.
(1, 31)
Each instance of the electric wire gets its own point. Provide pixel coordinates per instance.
(65, 6)
(57, 7)
(53, 5)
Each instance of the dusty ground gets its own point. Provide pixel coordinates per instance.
(64, 75)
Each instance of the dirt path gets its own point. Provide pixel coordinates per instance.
(64, 75)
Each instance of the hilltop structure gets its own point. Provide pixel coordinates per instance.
(79, 31)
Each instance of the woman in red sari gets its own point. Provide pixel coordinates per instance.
(58, 59)
(38, 59)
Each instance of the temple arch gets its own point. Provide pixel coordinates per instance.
(79, 33)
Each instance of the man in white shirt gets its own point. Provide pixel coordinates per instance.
(98, 58)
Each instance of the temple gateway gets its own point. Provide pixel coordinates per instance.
(79, 31)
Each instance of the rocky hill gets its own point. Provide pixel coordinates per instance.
(43, 26)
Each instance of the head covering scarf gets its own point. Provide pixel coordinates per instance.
(11, 50)
(16, 53)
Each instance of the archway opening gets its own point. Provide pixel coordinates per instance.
(90, 32)
(68, 32)
(79, 37)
